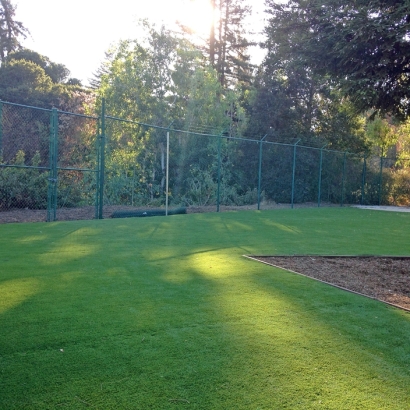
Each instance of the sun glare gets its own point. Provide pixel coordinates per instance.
(197, 15)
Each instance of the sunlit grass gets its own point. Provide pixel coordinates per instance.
(165, 313)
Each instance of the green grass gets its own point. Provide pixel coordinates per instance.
(165, 313)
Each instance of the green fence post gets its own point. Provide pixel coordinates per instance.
(380, 180)
(293, 173)
(260, 171)
(219, 172)
(101, 169)
(320, 176)
(343, 179)
(167, 177)
(363, 179)
(97, 168)
(55, 164)
(50, 174)
(53, 172)
(1, 128)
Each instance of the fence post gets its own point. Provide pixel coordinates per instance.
(320, 176)
(260, 171)
(363, 179)
(380, 180)
(219, 172)
(97, 168)
(1, 128)
(101, 170)
(167, 178)
(343, 179)
(52, 179)
(293, 173)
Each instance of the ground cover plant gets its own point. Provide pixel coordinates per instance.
(165, 313)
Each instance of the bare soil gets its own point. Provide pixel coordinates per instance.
(88, 212)
(383, 278)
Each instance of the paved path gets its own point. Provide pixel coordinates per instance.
(384, 208)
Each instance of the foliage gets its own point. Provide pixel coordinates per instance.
(381, 134)
(164, 80)
(403, 144)
(57, 72)
(364, 47)
(399, 193)
(29, 78)
(293, 100)
(226, 48)
(22, 187)
(10, 29)
(227, 44)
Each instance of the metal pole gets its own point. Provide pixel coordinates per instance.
(320, 177)
(55, 171)
(1, 129)
(52, 178)
(167, 177)
(363, 179)
(102, 161)
(219, 173)
(343, 179)
(380, 180)
(50, 174)
(97, 173)
(260, 171)
(293, 173)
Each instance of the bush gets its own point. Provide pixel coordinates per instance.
(400, 188)
(22, 187)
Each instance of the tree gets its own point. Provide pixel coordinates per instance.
(381, 134)
(10, 29)
(27, 77)
(226, 48)
(58, 73)
(23, 81)
(362, 45)
(227, 44)
(159, 81)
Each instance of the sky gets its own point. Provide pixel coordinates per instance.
(77, 33)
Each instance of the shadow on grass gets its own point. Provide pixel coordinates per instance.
(167, 314)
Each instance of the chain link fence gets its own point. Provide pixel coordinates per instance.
(47, 160)
(55, 162)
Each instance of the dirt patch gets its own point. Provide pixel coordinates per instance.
(383, 278)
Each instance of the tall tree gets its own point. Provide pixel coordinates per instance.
(160, 81)
(362, 44)
(227, 42)
(226, 48)
(10, 29)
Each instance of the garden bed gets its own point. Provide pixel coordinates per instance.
(383, 278)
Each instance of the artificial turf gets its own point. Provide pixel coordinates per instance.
(165, 313)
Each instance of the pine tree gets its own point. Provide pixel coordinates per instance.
(10, 29)
(227, 46)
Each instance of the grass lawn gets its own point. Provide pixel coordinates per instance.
(165, 313)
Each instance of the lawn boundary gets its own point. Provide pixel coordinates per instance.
(257, 258)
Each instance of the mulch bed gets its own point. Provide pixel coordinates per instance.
(383, 278)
